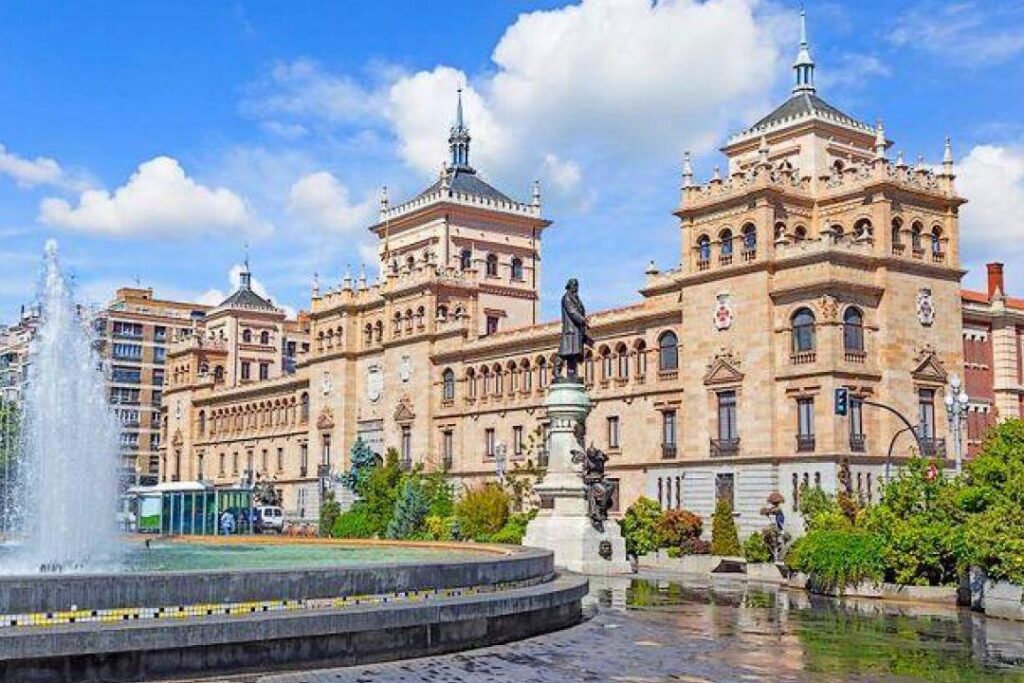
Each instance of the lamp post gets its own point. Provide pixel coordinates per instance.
(956, 411)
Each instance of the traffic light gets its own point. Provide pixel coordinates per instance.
(842, 400)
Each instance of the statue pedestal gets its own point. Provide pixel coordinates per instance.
(563, 525)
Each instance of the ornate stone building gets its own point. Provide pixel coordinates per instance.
(815, 261)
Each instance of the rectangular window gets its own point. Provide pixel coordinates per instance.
(159, 354)
(728, 430)
(805, 424)
(447, 448)
(492, 324)
(245, 369)
(280, 460)
(926, 413)
(325, 455)
(121, 374)
(856, 424)
(234, 463)
(159, 334)
(613, 432)
(127, 351)
(220, 468)
(128, 330)
(264, 370)
(517, 440)
(668, 434)
(265, 461)
(489, 443)
(303, 460)
(406, 444)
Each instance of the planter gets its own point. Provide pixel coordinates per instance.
(765, 572)
(1003, 599)
(935, 595)
(686, 564)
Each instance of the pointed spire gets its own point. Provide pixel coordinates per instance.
(803, 66)
(362, 278)
(947, 153)
(316, 285)
(762, 151)
(535, 202)
(245, 277)
(920, 167)
(687, 170)
(346, 282)
(458, 140)
(880, 141)
(383, 200)
(900, 163)
(716, 177)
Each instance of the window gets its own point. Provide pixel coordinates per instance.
(234, 463)
(202, 422)
(303, 459)
(125, 375)
(726, 237)
(492, 265)
(220, 468)
(613, 432)
(264, 338)
(304, 408)
(795, 497)
(542, 372)
(803, 331)
(218, 374)
(128, 330)
(517, 269)
(489, 442)
(725, 489)
(448, 384)
(517, 440)
(668, 433)
(492, 324)
(264, 461)
(805, 424)
(127, 351)
(280, 459)
(668, 352)
(246, 336)
(159, 333)
(728, 430)
(465, 259)
(623, 355)
(915, 237)
(159, 354)
(749, 238)
(264, 370)
(406, 445)
(926, 413)
(856, 424)
(447, 448)
(606, 363)
(853, 330)
(246, 369)
(936, 237)
(704, 248)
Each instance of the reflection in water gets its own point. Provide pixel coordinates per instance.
(775, 631)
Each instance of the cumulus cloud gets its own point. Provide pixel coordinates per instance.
(159, 199)
(30, 173)
(991, 177)
(323, 202)
(970, 33)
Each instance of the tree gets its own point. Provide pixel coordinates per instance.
(482, 511)
(363, 461)
(329, 511)
(640, 527)
(380, 491)
(724, 538)
(410, 511)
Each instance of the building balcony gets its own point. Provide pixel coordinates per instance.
(855, 356)
(749, 255)
(126, 335)
(669, 451)
(805, 443)
(703, 264)
(725, 260)
(803, 357)
(725, 447)
(933, 447)
(898, 249)
(857, 443)
(917, 252)
(938, 257)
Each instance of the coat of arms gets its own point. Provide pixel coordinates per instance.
(723, 312)
(925, 307)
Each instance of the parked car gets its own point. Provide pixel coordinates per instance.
(272, 517)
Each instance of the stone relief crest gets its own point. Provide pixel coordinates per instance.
(325, 420)
(829, 307)
(723, 315)
(325, 383)
(405, 369)
(374, 382)
(925, 307)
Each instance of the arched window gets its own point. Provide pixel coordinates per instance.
(246, 336)
(499, 380)
(410, 261)
(726, 237)
(915, 236)
(641, 357)
(527, 376)
(465, 259)
(936, 237)
(442, 312)
(471, 382)
(492, 265)
(668, 352)
(749, 238)
(800, 233)
(837, 232)
(803, 330)
(202, 422)
(606, 362)
(368, 334)
(862, 228)
(218, 374)
(780, 231)
(853, 329)
(897, 232)
(264, 338)
(448, 384)
(542, 371)
(622, 353)
(517, 268)
(304, 408)
(704, 248)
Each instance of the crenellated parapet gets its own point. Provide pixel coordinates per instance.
(442, 195)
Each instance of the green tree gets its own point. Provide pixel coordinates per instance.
(482, 511)
(329, 511)
(410, 511)
(639, 527)
(363, 461)
(380, 491)
(724, 538)
(756, 549)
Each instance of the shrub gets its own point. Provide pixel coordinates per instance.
(381, 491)
(411, 509)
(639, 527)
(835, 559)
(363, 461)
(724, 538)
(755, 548)
(355, 523)
(329, 511)
(675, 527)
(439, 494)
(482, 511)
(514, 529)
(439, 528)
(815, 504)
(695, 546)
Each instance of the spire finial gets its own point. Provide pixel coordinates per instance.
(245, 277)
(316, 285)
(804, 65)
(383, 199)
(536, 194)
(947, 152)
(687, 170)
(346, 282)
(879, 140)
(458, 139)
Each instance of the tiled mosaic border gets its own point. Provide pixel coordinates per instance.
(118, 615)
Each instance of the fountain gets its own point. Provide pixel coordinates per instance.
(65, 498)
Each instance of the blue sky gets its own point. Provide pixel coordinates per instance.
(153, 141)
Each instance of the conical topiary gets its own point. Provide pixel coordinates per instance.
(724, 538)
(411, 510)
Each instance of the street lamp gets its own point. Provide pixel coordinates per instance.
(956, 411)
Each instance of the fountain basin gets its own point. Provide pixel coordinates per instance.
(125, 627)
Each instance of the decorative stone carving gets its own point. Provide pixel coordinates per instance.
(723, 369)
(405, 368)
(925, 307)
(928, 367)
(723, 315)
(374, 382)
(829, 307)
(326, 385)
(325, 420)
(404, 412)
(177, 439)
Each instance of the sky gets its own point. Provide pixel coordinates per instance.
(158, 142)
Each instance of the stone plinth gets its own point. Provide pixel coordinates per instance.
(562, 525)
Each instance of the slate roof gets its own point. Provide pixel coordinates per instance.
(464, 180)
(805, 104)
(245, 298)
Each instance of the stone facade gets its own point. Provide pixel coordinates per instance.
(817, 263)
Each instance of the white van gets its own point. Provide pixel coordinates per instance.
(273, 518)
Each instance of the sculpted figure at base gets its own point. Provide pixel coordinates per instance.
(574, 331)
(599, 490)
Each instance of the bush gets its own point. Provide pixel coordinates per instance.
(514, 529)
(411, 509)
(439, 494)
(724, 538)
(676, 527)
(755, 548)
(363, 461)
(356, 523)
(381, 491)
(639, 527)
(329, 511)
(835, 559)
(482, 511)
(695, 546)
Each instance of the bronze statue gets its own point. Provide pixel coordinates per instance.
(574, 330)
(600, 491)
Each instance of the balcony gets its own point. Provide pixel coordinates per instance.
(803, 357)
(932, 447)
(669, 451)
(126, 334)
(857, 443)
(447, 462)
(805, 443)
(725, 447)
(855, 356)
(725, 260)
(898, 249)
(917, 253)
(703, 264)
(749, 255)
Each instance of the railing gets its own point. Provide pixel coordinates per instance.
(918, 253)
(703, 264)
(725, 447)
(898, 249)
(938, 257)
(932, 447)
(803, 357)
(668, 451)
(855, 356)
(804, 443)
(857, 444)
(447, 462)
(725, 260)
(749, 255)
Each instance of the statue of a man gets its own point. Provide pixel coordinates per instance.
(574, 330)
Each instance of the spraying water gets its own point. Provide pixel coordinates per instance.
(67, 495)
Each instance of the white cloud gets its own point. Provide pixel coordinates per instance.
(991, 177)
(214, 296)
(39, 171)
(853, 71)
(565, 175)
(158, 200)
(965, 33)
(323, 202)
